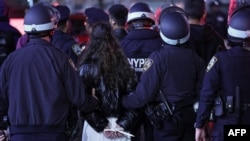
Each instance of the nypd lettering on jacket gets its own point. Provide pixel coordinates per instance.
(137, 63)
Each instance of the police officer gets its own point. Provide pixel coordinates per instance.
(118, 15)
(170, 81)
(61, 39)
(39, 82)
(8, 34)
(228, 73)
(142, 39)
(203, 38)
(94, 15)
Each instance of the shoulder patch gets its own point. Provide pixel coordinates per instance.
(77, 49)
(148, 63)
(72, 64)
(211, 63)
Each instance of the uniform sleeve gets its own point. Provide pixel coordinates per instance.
(148, 86)
(76, 89)
(208, 92)
(72, 47)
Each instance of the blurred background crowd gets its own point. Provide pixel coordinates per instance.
(17, 10)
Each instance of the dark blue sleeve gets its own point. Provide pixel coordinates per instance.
(148, 86)
(70, 48)
(211, 84)
(78, 94)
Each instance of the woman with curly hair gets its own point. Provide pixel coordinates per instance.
(104, 68)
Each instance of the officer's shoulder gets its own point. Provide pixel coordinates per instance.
(58, 51)
(223, 53)
(157, 54)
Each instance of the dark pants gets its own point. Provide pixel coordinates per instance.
(145, 132)
(182, 130)
(148, 131)
(38, 137)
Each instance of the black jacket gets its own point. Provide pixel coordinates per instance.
(205, 41)
(120, 33)
(110, 101)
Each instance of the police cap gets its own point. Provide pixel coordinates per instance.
(64, 12)
(94, 15)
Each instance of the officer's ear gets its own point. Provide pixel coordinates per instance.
(52, 32)
(112, 21)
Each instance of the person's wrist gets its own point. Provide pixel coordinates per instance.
(197, 126)
(3, 133)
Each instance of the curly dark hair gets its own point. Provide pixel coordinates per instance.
(104, 51)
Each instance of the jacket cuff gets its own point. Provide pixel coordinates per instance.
(130, 120)
(97, 121)
(3, 123)
(198, 125)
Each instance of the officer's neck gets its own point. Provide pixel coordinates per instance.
(47, 38)
(194, 21)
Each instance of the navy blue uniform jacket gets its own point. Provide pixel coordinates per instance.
(38, 84)
(226, 70)
(66, 43)
(177, 71)
(138, 45)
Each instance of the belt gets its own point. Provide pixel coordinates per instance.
(178, 107)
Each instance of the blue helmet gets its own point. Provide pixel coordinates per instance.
(174, 26)
(239, 25)
(42, 17)
(140, 10)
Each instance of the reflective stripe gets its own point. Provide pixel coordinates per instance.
(174, 41)
(237, 33)
(39, 27)
(137, 15)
